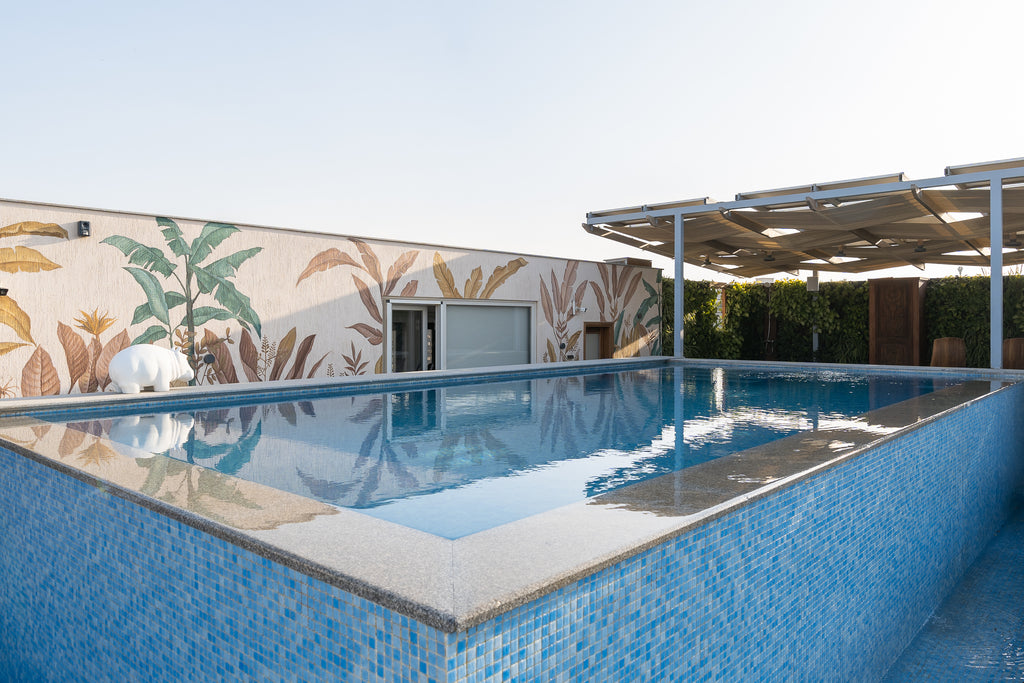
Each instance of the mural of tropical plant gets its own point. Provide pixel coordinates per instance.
(355, 363)
(193, 280)
(638, 335)
(21, 259)
(474, 287)
(215, 365)
(87, 362)
(374, 304)
(557, 304)
(630, 334)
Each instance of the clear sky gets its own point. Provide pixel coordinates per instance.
(491, 125)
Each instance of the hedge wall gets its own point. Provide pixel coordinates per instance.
(775, 321)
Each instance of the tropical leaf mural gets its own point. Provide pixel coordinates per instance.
(193, 279)
(216, 365)
(630, 334)
(557, 304)
(33, 228)
(372, 301)
(474, 287)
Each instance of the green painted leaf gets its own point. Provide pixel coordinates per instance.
(205, 314)
(154, 293)
(154, 333)
(228, 296)
(227, 266)
(618, 327)
(174, 299)
(645, 306)
(211, 236)
(175, 239)
(142, 312)
(141, 255)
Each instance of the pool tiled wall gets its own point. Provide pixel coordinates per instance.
(829, 578)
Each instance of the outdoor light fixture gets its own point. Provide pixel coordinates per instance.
(707, 261)
(919, 249)
(578, 309)
(842, 251)
(84, 229)
(3, 291)
(768, 257)
(1013, 242)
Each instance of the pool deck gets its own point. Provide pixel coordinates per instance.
(977, 634)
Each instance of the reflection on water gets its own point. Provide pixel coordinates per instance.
(456, 460)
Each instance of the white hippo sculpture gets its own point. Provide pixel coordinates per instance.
(145, 365)
(154, 434)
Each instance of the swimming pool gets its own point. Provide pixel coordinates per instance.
(800, 552)
(457, 460)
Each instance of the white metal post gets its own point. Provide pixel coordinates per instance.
(996, 271)
(678, 312)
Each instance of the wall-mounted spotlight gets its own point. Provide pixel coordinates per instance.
(842, 251)
(919, 249)
(84, 229)
(578, 309)
(768, 257)
(3, 291)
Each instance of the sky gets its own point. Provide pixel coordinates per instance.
(491, 125)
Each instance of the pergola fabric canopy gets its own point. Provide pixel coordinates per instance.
(851, 226)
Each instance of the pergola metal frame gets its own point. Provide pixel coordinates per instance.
(747, 230)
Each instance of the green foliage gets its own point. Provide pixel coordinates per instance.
(959, 307)
(743, 333)
(213, 279)
(847, 339)
(668, 314)
(701, 334)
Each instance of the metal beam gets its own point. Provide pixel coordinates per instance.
(678, 313)
(996, 271)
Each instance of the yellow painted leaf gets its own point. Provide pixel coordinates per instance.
(97, 453)
(476, 279)
(500, 274)
(7, 347)
(15, 318)
(444, 277)
(378, 367)
(552, 356)
(33, 228)
(24, 260)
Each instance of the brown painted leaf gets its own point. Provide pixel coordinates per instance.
(556, 294)
(545, 303)
(33, 228)
(552, 356)
(24, 260)
(15, 318)
(500, 274)
(602, 270)
(573, 338)
(74, 351)
(39, 377)
(41, 430)
(580, 291)
(96, 453)
(70, 442)
(325, 260)
(7, 347)
(88, 383)
(223, 365)
(631, 289)
(372, 334)
(473, 284)
(444, 277)
(300, 358)
(249, 356)
(284, 352)
(600, 297)
(369, 302)
(369, 258)
(120, 342)
(410, 288)
(568, 280)
(316, 365)
(398, 269)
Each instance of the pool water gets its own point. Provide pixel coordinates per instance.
(457, 460)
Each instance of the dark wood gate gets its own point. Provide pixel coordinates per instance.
(895, 313)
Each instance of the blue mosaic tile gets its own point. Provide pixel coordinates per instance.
(829, 578)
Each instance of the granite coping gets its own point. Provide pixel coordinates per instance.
(453, 585)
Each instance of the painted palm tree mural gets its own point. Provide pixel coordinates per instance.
(372, 331)
(191, 278)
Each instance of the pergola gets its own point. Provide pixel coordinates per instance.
(973, 215)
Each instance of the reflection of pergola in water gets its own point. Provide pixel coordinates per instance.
(967, 217)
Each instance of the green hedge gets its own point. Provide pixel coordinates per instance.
(953, 307)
